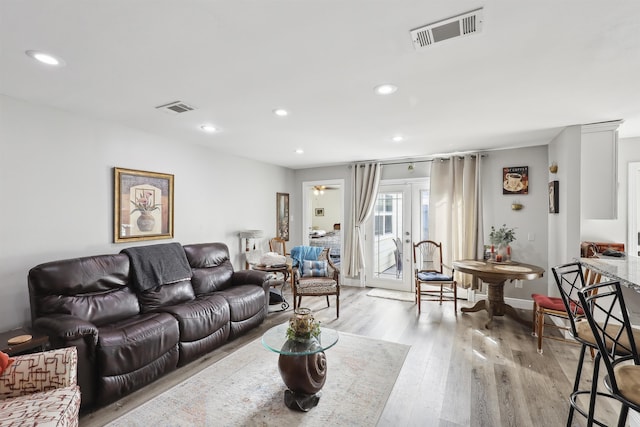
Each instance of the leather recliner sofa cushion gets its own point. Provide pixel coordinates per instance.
(213, 274)
(246, 307)
(169, 294)
(94, 289)
(204, 325)
(128, 348)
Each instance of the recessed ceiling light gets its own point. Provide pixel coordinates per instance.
(385, 89)
(45, 58)
(208, 128)
(398, 138)
(299, 151)
(280, 112)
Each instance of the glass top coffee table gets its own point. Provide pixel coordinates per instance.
(302, 364)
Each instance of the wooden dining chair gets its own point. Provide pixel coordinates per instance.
(569, 278)
(431, 280)
(278, 245)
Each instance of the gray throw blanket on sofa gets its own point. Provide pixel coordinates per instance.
(156, 265)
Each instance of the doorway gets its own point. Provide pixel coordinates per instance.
(323, 216)
(400, 217)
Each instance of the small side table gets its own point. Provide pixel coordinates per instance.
(38, 342)
(285, 270)
(302, 364)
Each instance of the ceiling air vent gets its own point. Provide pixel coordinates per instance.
(462, 25)
(175, 107)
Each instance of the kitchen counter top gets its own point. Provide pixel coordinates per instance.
(626, 270)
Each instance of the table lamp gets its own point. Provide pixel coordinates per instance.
(247, 235)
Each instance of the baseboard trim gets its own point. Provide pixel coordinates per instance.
(523, 304)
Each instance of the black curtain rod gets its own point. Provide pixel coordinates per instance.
(407, 162)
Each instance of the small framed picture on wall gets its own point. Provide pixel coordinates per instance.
(319, 211)
(515, 180)
(554, 197)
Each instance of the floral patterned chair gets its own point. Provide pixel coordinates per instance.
(40, 389)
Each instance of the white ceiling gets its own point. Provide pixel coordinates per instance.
(536, 67)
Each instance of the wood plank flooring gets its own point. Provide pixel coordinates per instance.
(457, 373)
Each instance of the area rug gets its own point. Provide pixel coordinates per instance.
(389, 294)
(245, 389)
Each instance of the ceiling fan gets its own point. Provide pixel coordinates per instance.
(318, 190)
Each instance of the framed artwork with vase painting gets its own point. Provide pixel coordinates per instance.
(143, 205)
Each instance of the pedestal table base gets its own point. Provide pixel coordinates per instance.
(494, 305)
(305, 377)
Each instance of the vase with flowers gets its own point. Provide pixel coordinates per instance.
(302, 325)
(501, 239)
(145, 204)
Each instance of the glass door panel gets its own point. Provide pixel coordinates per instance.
(387, 232)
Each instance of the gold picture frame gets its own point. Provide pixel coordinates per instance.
(282, 216)
(143, 205)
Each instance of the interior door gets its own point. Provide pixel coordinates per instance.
(388, 238)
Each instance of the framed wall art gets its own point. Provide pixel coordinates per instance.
(554, 197)
(515, 180)
(282, 216)
(143, 205)
(319, 211)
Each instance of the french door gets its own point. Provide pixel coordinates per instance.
(399, 218)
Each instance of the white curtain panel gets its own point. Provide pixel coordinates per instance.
(365, 179)
(455, 210)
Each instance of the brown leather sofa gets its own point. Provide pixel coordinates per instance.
(127, 337)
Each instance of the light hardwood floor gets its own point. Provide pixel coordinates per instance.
(457, 373)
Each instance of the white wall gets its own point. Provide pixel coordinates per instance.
(56, 182)
(564, 227)
(531, 221)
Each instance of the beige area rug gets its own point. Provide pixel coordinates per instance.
(389, 294)
(245, 389)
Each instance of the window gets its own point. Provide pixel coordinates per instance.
(388, 213)
(424, 214)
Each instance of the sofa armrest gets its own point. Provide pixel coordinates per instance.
(32, 373)
(67, 328)
(250, 277)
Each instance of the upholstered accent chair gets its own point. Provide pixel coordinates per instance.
(41, 389)
(318, 277)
